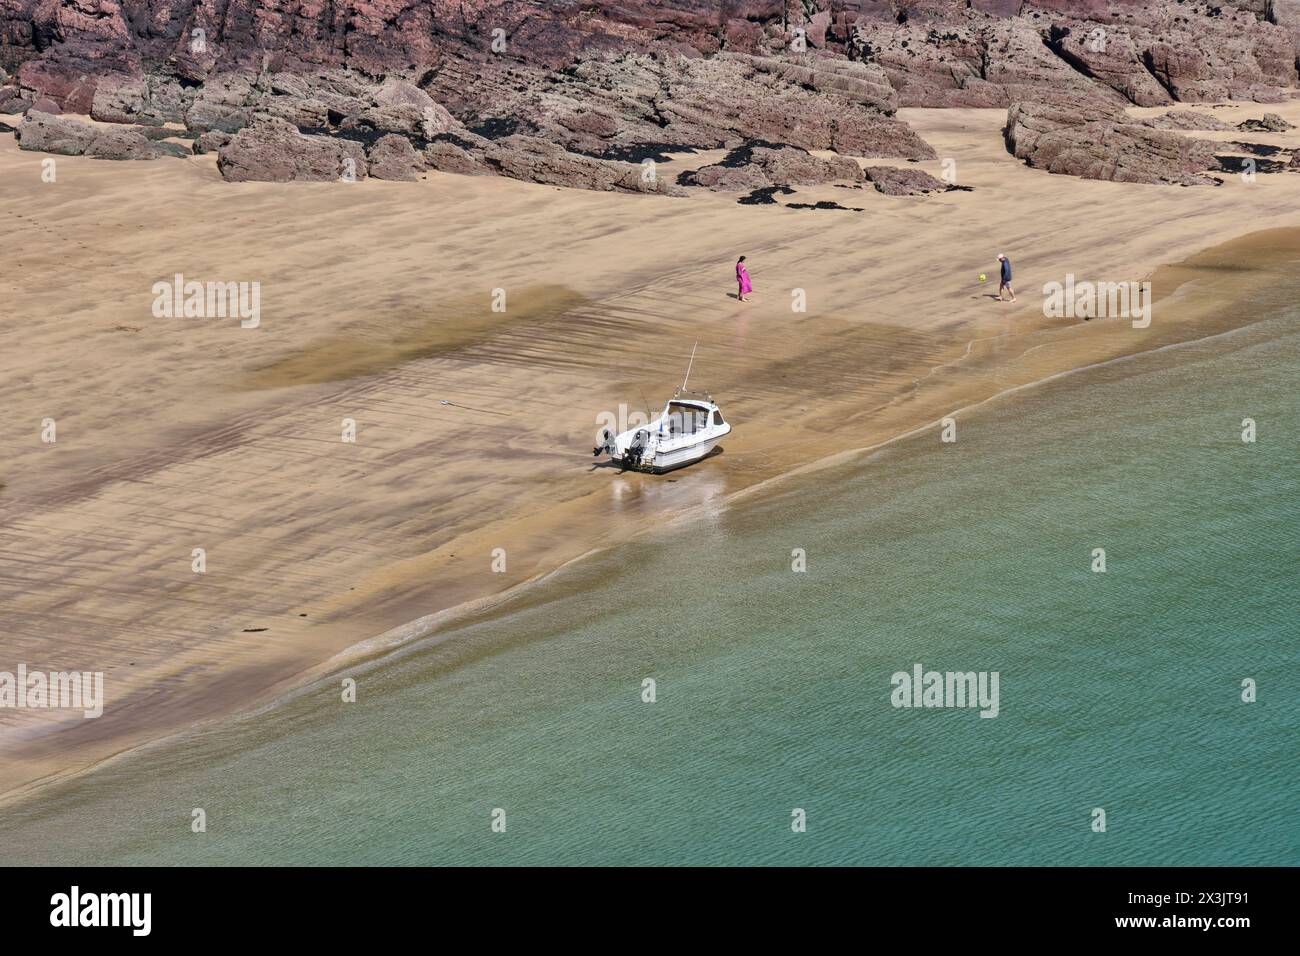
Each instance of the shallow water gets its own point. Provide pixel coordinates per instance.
(1118, 690)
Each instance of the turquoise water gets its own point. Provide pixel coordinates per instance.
(1119, 690)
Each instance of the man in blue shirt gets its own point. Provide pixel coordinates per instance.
(1006, 278)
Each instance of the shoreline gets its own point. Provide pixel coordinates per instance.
(387, 592)
(422, 633)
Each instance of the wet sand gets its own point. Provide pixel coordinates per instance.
(176, 434)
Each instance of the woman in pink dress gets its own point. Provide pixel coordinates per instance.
(742, 279)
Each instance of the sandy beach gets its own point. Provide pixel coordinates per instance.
(176, 434)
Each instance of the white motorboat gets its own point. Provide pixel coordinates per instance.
(689, 428)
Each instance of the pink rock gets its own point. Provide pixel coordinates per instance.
(47, 133)
(393, 157)
(271, 150)
(1082, 135)
(895, 181)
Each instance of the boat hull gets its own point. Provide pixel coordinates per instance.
(677, 458)
(670, 459)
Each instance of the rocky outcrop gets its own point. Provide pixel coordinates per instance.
(458, 153)
(538, 161)
(144, 100)
(1191, 52)
(1269, 123)
(46, 133)
(1113, 56)
(405, 119)
(896, 181)
(552, 85)
(1085, 136)
(71, 84)
(14, 100)
(272, 150)
(727, 179)
(973, 61)
(864, 83)
(393, 157)
(1145, 52)
(1186, 120)
(224, 103)
(211, 141)
(933, 52)
(1208, 51)
(756, 166)
(630, 106)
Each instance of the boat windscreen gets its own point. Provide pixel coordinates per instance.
(685, 419)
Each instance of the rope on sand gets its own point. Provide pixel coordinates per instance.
(486, 411)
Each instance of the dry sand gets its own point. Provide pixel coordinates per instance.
(176, 434)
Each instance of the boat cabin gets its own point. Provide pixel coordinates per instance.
(683, 417)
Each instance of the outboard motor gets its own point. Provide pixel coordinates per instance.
(607, 444)
(635, 450)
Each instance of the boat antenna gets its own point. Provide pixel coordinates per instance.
(688, 367)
